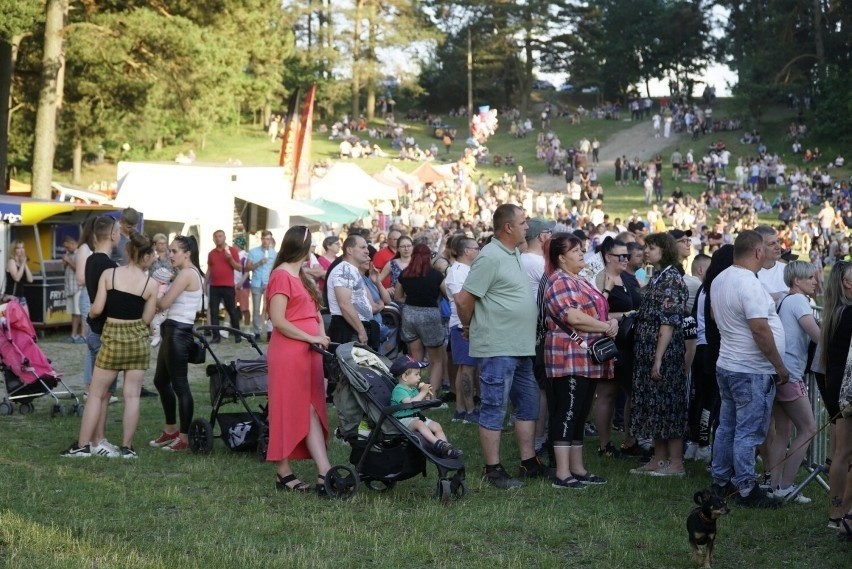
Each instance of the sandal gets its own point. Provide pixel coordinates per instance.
(320, 487)
(283, 483)
(845, 530)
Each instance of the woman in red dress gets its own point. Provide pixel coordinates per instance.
(298, 423)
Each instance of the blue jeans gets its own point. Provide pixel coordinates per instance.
(85, 306)
(504, 378)
(93, 341)
(257, 321)
(743, 422)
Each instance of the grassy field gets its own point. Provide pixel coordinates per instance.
(221, 510)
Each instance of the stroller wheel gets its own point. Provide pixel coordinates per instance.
(457, 488)
(55, 410)
(381, 485)
(341, 482)
(6, 408)
(78, 409)
(26, 408)
(200, 436)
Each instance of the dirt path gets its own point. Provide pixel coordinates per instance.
(638, 140)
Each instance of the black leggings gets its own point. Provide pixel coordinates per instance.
(569, 406)
(171, 379)
(704, 404)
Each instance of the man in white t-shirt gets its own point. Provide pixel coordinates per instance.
(350, 309)
(747, 371)
(771, 274)
(532, 260)
(466, 250)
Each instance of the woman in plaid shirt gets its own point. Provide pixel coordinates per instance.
(570, 369)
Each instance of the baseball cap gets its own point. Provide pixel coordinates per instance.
(678, 234)
(403, 363)
(536, 226)
(581, 235)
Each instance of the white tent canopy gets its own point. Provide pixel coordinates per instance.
(203, 195)
(346, 183)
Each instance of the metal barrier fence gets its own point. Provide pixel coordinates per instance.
(819, 450)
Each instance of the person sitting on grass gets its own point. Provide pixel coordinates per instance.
(406, 370)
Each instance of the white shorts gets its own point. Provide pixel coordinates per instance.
(72, 303)
(406, 421)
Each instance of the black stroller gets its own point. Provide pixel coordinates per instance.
(230, 383)
(383, 450)
(247, 430)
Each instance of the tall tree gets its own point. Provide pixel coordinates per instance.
(49, 99)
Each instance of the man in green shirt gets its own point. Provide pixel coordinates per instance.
(498, 315)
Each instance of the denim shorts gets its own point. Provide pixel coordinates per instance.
(505, 378)
(460, 348)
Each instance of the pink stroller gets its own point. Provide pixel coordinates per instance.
(26, 370)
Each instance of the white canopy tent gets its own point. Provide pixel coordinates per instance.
(346, 183)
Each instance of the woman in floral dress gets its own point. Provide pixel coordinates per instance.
(660, 389)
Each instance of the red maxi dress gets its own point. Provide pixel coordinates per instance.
(295, 373)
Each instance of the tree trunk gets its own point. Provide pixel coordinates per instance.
(44, 147)
(372, 64)
(818, 43)
(356, 63)
(158, 144)
(77, 161)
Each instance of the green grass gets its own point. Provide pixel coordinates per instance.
(221, 510)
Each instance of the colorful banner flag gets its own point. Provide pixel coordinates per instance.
(288, 140)
(302, 159)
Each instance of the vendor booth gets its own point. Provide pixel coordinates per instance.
(42, 225)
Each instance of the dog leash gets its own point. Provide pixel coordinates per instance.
(804, 444)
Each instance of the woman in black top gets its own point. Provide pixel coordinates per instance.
(128, 298)
(622, 299)
(18, 273)
(420, 287)
(834, 349)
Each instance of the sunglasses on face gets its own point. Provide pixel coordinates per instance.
(620, 257)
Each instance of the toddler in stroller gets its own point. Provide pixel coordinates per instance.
(406, 370)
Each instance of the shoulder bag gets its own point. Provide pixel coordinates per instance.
(601, 350)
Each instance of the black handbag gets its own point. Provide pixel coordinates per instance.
(626, 333)
(197, 352)
(602, 350)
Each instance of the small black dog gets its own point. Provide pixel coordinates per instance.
(701, 525)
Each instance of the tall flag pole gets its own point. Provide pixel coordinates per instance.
(291, 127)
(302, 158)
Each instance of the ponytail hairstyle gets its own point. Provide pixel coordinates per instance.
(138, 245)
(295, 248)
(608, 245)
(189, 244)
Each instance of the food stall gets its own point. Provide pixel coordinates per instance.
(42, 225)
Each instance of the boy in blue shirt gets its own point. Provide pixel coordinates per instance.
(406, 370)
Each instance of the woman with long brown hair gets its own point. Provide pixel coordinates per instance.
(298, 424)
(421, 287)
(660, 394)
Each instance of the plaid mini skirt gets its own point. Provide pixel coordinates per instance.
(124, 345)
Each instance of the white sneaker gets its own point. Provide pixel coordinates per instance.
(704, 453)
(113, 399)
(105, 449)
(782, 493)
(689, 453)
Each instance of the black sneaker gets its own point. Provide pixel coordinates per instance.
(590, 431)
(76, 451)
(499, 478)
(128, 452)
(631, 451)
(723, 492)
(147, 393)
(537, 471)
(758, 498)
(609, 451)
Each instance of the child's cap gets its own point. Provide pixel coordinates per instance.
(403, 363)
(162, 275)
